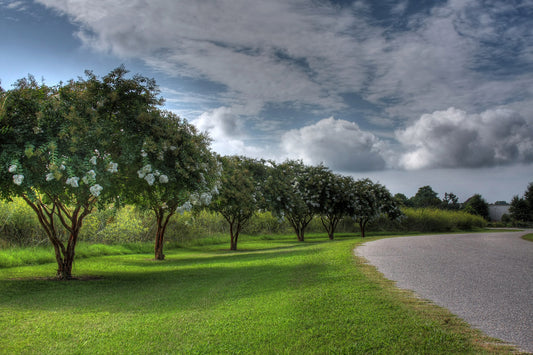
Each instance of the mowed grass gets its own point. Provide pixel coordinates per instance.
(271, 297)
(528, 237)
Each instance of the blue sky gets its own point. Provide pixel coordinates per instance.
(408, 93)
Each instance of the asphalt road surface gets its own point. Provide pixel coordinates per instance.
(486, 279)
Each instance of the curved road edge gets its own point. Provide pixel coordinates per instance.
(484, 278)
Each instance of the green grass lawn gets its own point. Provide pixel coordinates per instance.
(528, 237)
(271, 297)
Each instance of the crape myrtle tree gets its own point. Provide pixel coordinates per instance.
(56, 154)
(240, 193)
(174, 170)
(370, 201)
(334, 196)
(290, 194)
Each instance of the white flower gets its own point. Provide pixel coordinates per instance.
(49, 177)
(187, 206)
(147, 169)
(150, 178)
(17, 179)
(157, 173)
(73, 181)
(91, 175)
(143, 153)
(163, 179)
(95, 190)
(172, 147)
(161, 155)
(112, 167)
(141, 174)
(12, 168)
(62, 167)
(93, 160)
(205, 198)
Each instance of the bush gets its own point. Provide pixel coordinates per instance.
(434, 220)
(266, 223)
(19, 225)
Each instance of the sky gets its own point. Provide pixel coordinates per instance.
(407, 93)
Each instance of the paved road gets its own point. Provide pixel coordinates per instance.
(486, 279)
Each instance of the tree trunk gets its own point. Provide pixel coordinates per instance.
(64, 257)
(162, 222)
(159, 241)
(300, 234)
(64, 272)
(362, 226)
(233, 237)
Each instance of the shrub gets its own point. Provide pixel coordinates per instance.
(19, 225)
(434, 220)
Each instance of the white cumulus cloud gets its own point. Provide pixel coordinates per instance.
(454, 138)
(339, 144)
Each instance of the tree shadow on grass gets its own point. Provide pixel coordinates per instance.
(177, 283)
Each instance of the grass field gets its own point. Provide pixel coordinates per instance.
(528, 237)
(271, 297)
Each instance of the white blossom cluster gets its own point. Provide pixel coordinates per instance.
(187, 206)
(17, 178)
(150, 176)
(88, 179)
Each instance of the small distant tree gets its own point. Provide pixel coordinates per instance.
(334, 196)
(521, 209)
(370, 201)
(402, 200)
(290, 196)
(240, 193)
(477, 205)
(425, 197)
(450, 201)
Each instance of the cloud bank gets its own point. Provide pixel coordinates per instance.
(409, 61)
(455, 139)
(426, 70)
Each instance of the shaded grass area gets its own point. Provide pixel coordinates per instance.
(274, 296)
(20, 256)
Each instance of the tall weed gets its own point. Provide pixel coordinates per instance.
(19, 225)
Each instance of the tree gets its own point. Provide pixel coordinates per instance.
(370, 201)
(290, 196)
(402, 200)
(170, 167)
(450, 201)
(477, 205)
(521, 209)
(334, 196)
(55, 150)
(528, 196)
(425, 197)
(240, 193)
